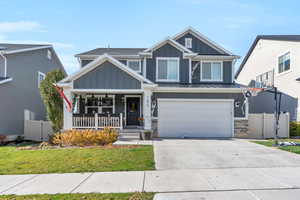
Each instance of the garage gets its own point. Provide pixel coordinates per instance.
(195, 118)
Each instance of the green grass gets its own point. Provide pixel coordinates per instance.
(293, 149)
(14, 161)
(124, 196)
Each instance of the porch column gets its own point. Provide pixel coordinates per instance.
(67, 114)
(147, 109)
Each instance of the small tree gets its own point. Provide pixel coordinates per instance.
(52, 99)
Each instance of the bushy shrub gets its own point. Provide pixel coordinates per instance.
(294, 128)
(85, 137)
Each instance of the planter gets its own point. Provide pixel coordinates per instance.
(146, 135)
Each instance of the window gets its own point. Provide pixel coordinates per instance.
(211, 71)
(134, 64)
(102, 104)
(41, 76)
(284, 63)
(49, 54)
(167, 69)
(188, 43)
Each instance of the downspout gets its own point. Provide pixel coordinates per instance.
(5, 63)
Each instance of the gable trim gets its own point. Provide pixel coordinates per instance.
(101, 59)
(171, 42)
(203, 38)
(27, 49)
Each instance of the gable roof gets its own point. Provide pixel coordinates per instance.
(9, 48)
(112, 51)
(170, 41)
(292, 38)
(101, 59)
(203, 38)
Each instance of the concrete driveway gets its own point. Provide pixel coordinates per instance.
(217, 154)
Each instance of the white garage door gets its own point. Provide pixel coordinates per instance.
(195, 117)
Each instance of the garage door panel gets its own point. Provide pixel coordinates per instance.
(195, 118)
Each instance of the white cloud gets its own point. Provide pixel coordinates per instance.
(20, 26)
(70, 63)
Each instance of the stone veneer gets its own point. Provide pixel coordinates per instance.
(241, 128)
(154, 127)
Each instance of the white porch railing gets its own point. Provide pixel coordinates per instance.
(97, 122)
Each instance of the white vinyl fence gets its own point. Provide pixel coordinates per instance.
(37, 130)
(263, 125)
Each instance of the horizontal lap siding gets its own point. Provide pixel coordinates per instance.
(238, 112)
(107, 76)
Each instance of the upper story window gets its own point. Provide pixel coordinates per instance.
(41, 77)
(212, 71)
(135, 65)
(49, 54)
(188, 43)
(167, 69)
(284, 63)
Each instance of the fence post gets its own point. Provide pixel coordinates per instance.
(121, 121)
(263, 125)
(96, 121)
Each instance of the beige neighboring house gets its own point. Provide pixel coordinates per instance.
(273, 60)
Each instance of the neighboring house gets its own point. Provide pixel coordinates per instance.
(273, 60)
(182, 86)
(22, 68)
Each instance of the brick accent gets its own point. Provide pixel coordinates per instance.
(241, 129)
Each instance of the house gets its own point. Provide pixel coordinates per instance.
(182, 86)
(273, 60)
(22, 68)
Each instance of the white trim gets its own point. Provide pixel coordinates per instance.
(96, 63)
(27, 49)
(190, 70)
(178, 69)
(5, 63)
(188, 43)
(197, 90)
(125, 105)
(89, 57)
(203, 38)
(144, 67)
(6, 80)
(39, 80)
(170, 41)
(209, 80)
(216, 57)
(134, 60)
(111, 91)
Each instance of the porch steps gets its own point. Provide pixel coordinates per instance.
(130, 134)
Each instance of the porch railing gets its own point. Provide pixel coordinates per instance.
(97, 122)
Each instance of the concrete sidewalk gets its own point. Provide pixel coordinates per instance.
(198, 180)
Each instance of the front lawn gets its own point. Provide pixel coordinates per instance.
(124, 196)
(269, 143)
(97, 159)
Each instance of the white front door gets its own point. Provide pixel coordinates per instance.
(195, 117)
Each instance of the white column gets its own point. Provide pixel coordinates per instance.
(67, 114)
(147, 109)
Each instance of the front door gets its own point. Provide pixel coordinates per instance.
(132, 111)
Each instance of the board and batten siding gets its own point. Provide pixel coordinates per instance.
(107, 76)
(198, 46)
(227, 73)
(168, 50)
(238, 111)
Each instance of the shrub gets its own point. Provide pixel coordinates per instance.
(2, 139)
(294, 128)
(86, 137)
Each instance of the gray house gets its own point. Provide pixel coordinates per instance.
(182, 86)
(22, 68)
(273, 60)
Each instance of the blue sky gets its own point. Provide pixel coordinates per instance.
(74, 26)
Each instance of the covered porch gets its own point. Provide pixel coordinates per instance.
(96, 110)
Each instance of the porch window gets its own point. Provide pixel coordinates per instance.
(102, 104)
(211, 71)
(134, 64)
(167, 69)
(284, 63)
